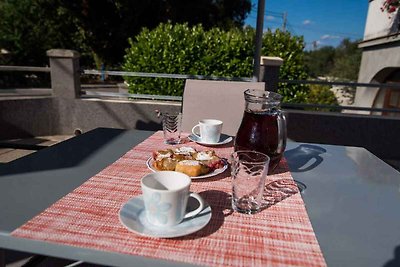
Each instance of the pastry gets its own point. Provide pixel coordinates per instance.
(186, 160)
(160, 154)
(183, 153)
(165, 164)
(191, 167)
(209, 158)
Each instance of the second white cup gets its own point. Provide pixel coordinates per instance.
(210, 130)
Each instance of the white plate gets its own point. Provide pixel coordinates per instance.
(133, 216)
(149, 164)
(224, 139)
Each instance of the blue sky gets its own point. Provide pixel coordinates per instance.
(321, 22)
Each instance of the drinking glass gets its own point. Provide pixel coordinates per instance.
(171, 123)
(249, 171)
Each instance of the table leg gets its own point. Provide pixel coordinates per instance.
(2, 258)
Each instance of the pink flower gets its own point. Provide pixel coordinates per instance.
(390, 6)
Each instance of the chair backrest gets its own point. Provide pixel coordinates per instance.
(222, 100)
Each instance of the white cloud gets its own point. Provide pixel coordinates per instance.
(328, 36)
(307, 22)
(269, 18)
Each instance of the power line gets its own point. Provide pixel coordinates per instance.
(270, 12)
(290, 28)
(341, 34)
(279, 14)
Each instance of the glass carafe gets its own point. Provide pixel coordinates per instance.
(263, 127)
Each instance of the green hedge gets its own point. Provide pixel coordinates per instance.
(180, 49)
(321, 94)
(290, 49)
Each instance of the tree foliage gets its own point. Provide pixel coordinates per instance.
(321, 94)
(29, 28)
(101, 27)
(320, 62)
(290, 48)
(193, 50)
(181, 49)
(341, 62)
(347, 61)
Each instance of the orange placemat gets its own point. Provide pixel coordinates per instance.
(280, 235)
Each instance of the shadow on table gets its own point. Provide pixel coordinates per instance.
(16, 259)
(277, 191)
(396, 260)
(220, 203)
(299, 158)
(67, 154)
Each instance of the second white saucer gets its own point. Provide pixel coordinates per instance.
(224, 139)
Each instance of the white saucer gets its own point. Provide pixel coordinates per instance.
(224, 139)
(149, 164)
(132, 215)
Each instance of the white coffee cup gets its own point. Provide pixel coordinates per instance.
(210, 130)
(165, 196)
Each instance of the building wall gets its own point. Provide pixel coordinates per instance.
(21, 118)
(381, 54)
(377, 63)
(379, 23)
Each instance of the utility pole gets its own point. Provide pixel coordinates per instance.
(258, 40)
(315, 45)
(284, 21)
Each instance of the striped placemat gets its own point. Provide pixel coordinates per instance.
(280, 235)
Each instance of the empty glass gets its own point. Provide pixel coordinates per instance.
(171, 123)
(249, 171)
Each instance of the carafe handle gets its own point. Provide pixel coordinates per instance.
(282, 132)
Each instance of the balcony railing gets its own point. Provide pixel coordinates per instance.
(73, 108)
(93, 92)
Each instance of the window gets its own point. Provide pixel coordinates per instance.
(392, 96)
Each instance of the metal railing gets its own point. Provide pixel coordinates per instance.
(340, 83)
(245, 79)
(165, 75)
(89, 93)
(24, 68)
(25, 92)
(216, 78)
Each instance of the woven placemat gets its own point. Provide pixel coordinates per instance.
(280, 235)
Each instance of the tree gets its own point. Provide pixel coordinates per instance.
(29, 28)
(341, 62)
(102, 27)
(347, 60)
(320, 62)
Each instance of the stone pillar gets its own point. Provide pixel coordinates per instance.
(269, 72)
(65, 73)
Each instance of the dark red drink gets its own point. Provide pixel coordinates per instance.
(263, 132)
